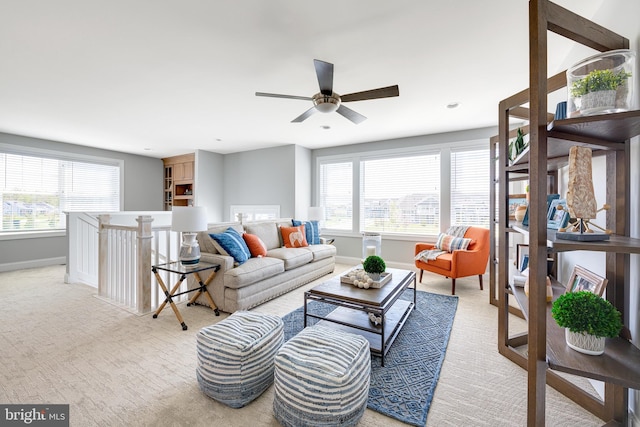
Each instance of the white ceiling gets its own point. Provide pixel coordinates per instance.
(160, 77)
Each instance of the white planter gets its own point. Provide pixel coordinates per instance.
(584, 343)
(597, 102)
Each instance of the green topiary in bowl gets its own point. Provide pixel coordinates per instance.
(598, 80)
(588, 313)
(374, 265)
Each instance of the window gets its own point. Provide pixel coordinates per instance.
(470, 188)
(416, 192)
(400, 194)
(254, 212)
(336, 195)
(36, 189)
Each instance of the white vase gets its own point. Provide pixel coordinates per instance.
(584, 343)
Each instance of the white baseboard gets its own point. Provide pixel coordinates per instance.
(11, 266)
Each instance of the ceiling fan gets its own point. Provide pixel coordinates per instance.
(327, 101)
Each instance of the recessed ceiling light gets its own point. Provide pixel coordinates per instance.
(147, 149)
(453, 105)
(325, 127)
(218, 139)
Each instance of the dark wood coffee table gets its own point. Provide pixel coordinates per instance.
(355, 304)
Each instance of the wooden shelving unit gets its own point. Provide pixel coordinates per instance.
(549, 143)
(168, 187)
(179, 185)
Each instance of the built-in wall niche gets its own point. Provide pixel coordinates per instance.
(184, 190)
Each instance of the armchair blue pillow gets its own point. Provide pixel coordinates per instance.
(312, 230)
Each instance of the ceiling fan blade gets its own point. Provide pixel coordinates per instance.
(324, 71)
(383, 92)
(277, 95)
(304, 116)
(350, 114)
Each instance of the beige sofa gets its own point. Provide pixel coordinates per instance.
(241, 287)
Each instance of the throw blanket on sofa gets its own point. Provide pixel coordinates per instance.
(431, 254)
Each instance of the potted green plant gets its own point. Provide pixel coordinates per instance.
(588, 319)
(597, 90)
(373, 265)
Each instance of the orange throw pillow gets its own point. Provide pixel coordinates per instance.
(294, 237)
(255, 244)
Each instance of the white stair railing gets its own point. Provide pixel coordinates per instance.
(114, 252)
(125, 256)
(82, 256)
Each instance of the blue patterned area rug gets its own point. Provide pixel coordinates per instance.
(404, 387)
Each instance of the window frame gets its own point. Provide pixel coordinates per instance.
(6, 148)
(443, 148)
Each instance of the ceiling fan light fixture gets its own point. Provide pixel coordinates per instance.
(326, 103)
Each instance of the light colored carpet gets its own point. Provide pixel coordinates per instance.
(61, 344)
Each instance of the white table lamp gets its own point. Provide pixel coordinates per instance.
(316, 213)
(189, 221)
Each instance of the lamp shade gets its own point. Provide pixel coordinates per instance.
(188, 219)
(316, 213)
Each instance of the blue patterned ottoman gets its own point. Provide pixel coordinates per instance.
(236, 357)
(322, 379)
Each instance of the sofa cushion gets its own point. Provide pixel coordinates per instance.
(442, 261)
(294, 237)
(321, 251)
(292, 257)
(252, 271)
(311, 229)
(255, 244)
(267, 231)
(233, 244)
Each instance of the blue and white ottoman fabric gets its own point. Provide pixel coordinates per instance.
(236, 357)
(322, 379)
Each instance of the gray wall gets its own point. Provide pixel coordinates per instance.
(261, 177)
(302, 182)
(209, 176)
(142, 192)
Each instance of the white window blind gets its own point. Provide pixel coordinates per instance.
(36, 191)
(336, 195)
(400, 194)
(470, 187)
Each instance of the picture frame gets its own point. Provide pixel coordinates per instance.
(553, 204)
(584, 280)
(550, 198)
(557, 218)
(522, 256)
(516, 200)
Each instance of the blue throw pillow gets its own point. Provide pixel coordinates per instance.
(233, 243)
(311, 229)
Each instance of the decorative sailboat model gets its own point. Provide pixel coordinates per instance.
(581, 200)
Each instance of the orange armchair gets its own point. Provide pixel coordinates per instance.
(460, 263)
